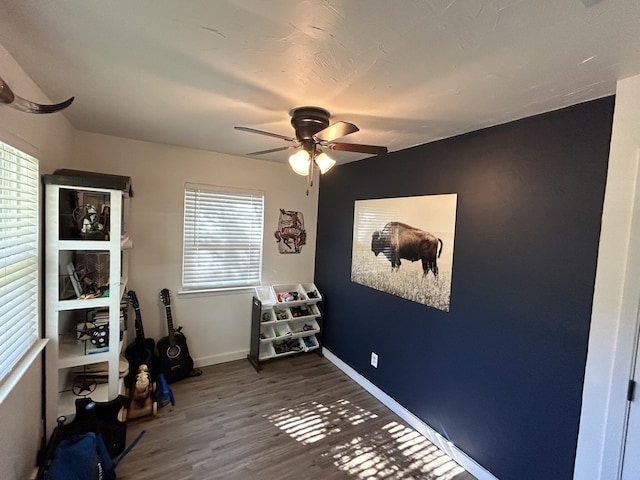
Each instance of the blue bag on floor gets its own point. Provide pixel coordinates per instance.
(82, 457)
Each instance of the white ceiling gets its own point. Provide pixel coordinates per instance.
(406, 72)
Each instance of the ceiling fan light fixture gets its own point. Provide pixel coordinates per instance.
(313, 130)
(299, 162)
(324, 162)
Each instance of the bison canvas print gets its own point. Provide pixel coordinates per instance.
(404, 246)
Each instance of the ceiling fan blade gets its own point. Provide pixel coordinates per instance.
(337, 130)
(358, 148)
(262, 152)
(269, 134)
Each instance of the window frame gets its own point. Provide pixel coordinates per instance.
(243, 240)
(20, 265)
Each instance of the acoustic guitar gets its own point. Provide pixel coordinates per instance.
(174, 360)
(142, 350)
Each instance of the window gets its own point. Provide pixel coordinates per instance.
(19, 220)
(222, 244)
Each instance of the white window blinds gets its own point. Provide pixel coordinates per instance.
(19, 219)
(222, 245)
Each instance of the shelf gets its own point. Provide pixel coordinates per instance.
(83, 244)
(313, 294)
(80, 180)
(67, 399)
(287, 346)
(68, 358)
(298, 327)
(282, 314)
(282, 328)
(267, 334)
(267, 316)
(288, 294)
(73, 355)
(86, 252)
(293, 313)
(82, 303)
(310, 343)
(275, 331)
(126, 243)
(124, 281)
(266, 295)
(301, 312)
(292, 294)
(266, 351)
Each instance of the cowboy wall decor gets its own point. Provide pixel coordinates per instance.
(290, 235)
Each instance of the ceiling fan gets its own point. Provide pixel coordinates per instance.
(313, 133)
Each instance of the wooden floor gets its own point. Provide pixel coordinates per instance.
(299, 418)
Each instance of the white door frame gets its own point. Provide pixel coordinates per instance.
(616, 299)
(630, 460)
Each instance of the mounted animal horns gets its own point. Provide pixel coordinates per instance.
(12, 100)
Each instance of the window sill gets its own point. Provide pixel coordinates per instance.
(217, 291)
(20, 368)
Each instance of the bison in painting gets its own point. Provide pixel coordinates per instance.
(399, 240)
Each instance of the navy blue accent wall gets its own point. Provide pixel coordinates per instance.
(501, 374)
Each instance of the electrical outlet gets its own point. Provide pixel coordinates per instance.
(374, 360)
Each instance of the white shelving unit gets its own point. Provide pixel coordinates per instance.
(286, 319)
(85, 274)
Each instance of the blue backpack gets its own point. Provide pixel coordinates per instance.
(88, 447)
(82, 457)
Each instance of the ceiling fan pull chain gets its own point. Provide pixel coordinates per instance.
(312, 160)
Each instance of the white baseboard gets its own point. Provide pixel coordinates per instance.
(215, 359)
(442, 443)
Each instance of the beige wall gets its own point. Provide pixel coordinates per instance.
(48, 138)
(216, 324)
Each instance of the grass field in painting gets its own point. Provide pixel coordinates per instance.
(407, 282)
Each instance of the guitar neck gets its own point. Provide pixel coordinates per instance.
(138, 325)
(172, 338)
